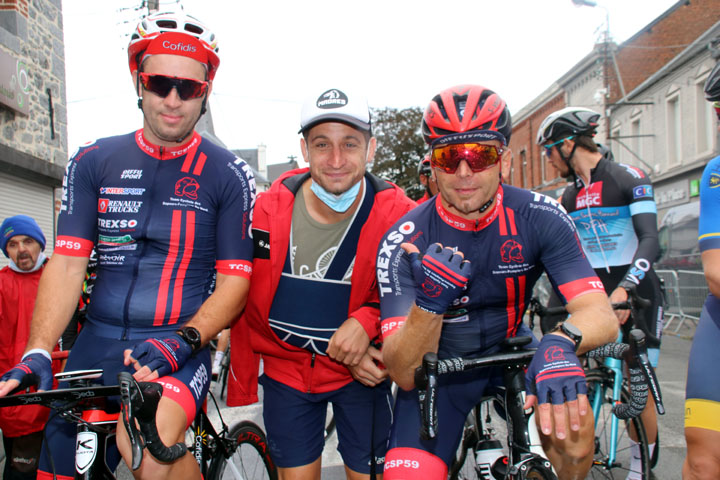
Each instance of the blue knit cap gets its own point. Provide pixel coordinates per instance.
(20, 225)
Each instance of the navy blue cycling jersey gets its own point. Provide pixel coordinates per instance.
(525, 234)
(162, 220)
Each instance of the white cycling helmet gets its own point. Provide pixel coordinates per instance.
(157, 24)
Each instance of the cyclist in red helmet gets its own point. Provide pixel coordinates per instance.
(493, 241)
(164, 209)
(426, 179)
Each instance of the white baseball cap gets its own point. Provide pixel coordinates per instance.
(336, 105)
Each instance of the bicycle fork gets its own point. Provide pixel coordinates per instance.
(597, 402)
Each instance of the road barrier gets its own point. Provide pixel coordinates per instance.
(685, 293)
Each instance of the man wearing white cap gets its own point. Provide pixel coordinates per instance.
(313, 302)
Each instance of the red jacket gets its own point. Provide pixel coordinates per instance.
(17, 301)
(283, 362)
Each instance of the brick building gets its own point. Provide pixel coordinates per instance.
(593, 83)
(33, 116)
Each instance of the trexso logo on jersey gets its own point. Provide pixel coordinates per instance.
(333, 98)
(393, 240)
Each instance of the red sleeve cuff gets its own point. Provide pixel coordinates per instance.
(238, 268)
(73, 246)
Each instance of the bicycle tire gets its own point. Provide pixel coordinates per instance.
(484, 419)
(251, 456)
(621, 468)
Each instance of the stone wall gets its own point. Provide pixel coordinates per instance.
(32, 31)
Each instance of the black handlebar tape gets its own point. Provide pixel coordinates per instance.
(427, 396)
(612, 350)
(638, 396)
(152, 392)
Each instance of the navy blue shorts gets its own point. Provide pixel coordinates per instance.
(188, 386)
(295, 423)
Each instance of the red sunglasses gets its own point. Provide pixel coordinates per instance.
(479, 157)
(160, 85)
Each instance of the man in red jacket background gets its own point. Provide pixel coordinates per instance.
(22, 241)
(313, 302)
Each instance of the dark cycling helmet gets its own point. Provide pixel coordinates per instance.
(424, 166)
(566, 122)
(156, 24)
(463, 108)
(712, 85)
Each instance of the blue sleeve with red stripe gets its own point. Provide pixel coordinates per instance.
(77, 222)
(234, 225)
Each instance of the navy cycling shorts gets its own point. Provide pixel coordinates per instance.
(295, 423)
(702, 392)
(188, 386)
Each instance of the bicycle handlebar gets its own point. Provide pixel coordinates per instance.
(642, 375)
(426, 379)
(141, 401)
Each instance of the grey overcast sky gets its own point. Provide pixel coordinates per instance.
(274, 53)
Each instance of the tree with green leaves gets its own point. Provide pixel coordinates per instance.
(400, 147)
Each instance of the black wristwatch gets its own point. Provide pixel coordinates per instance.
(571, 331)
(191, 337)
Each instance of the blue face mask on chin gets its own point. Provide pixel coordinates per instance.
(339, 203)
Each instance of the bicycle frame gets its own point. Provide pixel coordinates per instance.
(597, 401)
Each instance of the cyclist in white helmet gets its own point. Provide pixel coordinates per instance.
(164, 208)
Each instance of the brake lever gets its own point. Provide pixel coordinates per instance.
(129, 393)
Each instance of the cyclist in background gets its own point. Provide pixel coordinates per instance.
(702, 395)
(614, 211)
(444, 304)
(164, 208)
(426, 179)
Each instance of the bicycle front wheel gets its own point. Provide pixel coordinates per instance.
(620, 468)
(249, 460)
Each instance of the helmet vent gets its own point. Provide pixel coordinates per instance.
(169, 24)
(189, 27)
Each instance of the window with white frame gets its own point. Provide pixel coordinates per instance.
(705, 123)
(673, 127)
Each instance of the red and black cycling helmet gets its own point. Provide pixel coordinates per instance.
(566, 122)
(712, 85)
(157, 24)
(424, 166)
(464, 108)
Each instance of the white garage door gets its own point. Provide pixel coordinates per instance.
(18, 196)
